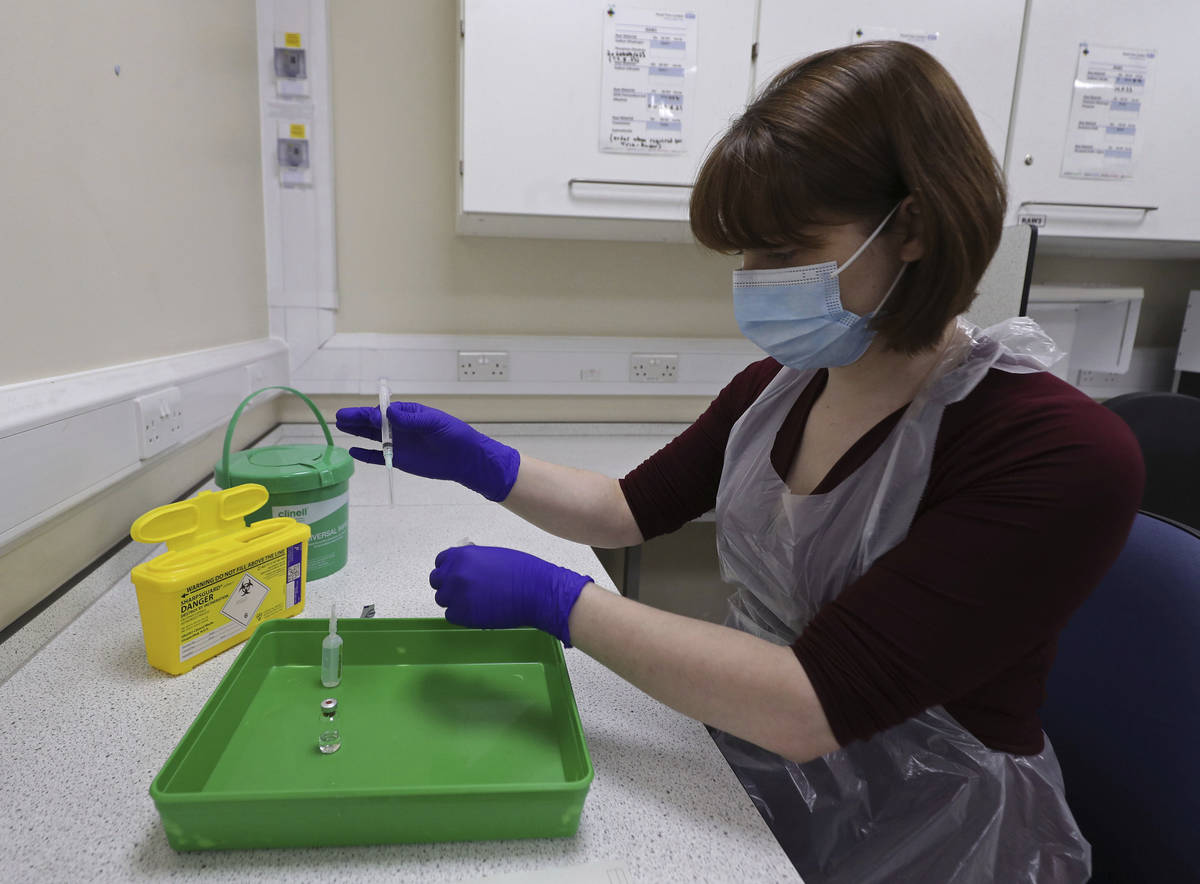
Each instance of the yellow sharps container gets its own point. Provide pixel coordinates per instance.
(219, 577)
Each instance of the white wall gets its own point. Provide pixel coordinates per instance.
(131, 219)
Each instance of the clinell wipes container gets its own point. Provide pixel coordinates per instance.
(308, 483)
(219, 578)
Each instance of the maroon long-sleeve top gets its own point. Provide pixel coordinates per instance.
(1032, 490)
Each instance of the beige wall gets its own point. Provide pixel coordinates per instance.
(402, 268)
(1167, 284)
(131, 224)
(131, 221)
(501, 409)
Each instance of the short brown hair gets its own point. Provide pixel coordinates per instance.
(844, 135)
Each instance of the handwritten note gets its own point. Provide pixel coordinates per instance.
(649, 67)
(1105, 131)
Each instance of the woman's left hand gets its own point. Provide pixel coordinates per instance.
(488, 587)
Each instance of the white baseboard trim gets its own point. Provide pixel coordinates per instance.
(427, 364)
(65, 439)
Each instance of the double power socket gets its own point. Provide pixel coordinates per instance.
(159, 421)
(493, 365)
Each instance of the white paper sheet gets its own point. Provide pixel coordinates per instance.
(930, 41)
(1105, 131)
(649, 69)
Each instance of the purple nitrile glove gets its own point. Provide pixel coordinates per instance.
(489, 587)
(430, 443)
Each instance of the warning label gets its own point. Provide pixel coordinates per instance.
(230, 603)
(245, 600)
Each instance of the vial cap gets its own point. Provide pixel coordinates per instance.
(329, 705)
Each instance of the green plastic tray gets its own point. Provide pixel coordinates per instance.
(448, 734)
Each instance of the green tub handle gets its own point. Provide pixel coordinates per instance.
(324, 471)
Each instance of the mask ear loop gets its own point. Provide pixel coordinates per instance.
(891, 288)
(869, 240)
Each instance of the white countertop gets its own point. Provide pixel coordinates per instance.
(87, 722)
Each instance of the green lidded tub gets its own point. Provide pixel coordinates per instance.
(308, 483)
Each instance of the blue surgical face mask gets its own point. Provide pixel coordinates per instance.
(796, 315)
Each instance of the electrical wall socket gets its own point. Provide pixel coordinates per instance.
(483, 365)
(1101, 379)
(654, 367)
(159, 421)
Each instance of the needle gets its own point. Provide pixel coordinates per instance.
(385, 435)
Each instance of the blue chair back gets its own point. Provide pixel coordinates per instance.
(1167, 427)
(1123, 709)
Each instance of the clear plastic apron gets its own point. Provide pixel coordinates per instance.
(925, 800)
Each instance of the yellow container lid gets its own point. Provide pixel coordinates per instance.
(209, 533)
(207, 516)
(243, 545)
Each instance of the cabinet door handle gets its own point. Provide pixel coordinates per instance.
(605, 181)
(1143, 209)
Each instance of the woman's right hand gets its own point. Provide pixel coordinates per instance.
(431, 443)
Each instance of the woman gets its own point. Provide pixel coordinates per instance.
(910, 508)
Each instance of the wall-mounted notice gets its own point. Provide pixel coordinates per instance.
(1105, 135)
(649, 67)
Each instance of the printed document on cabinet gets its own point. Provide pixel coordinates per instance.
(1105, 130)
(648, 72)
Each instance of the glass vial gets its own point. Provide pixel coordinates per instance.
(329, 741)
(330, 738)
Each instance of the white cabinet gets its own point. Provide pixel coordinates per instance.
(531, 106)
(979, 43)
(531, 83)
(1156, 212)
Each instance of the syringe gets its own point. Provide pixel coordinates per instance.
(331, 654)
(385, 435)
